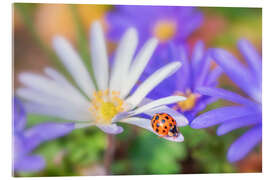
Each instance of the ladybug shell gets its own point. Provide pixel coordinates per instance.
(162, 123)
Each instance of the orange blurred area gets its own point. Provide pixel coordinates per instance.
(252, 163)
(57, 19)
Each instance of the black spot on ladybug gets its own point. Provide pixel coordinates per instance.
(163, 121)
(173, 120)
(157, 130)
(167, 117)
(156, 118)
(164, 131)
(170, 124)
(165, 127)
(157, 124)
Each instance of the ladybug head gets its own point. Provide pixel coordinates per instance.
(173, 132)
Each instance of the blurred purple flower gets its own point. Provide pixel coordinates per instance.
(195, 72)
(249, 111)
(166, 23)
(26, 140)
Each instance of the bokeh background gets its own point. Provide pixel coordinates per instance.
(137, 151)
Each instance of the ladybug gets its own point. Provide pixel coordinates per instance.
(164, 125)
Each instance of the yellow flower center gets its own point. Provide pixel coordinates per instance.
(164, 30)
(105, 105)
(189, 103)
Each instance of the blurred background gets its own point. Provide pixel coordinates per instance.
(137, 151)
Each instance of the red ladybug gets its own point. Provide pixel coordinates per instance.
(164, 125)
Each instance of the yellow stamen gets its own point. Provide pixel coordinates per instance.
(105, 105)
(189, 103)
(164, 30)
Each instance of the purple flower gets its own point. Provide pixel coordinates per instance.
(195, 72)
(26, 140)
(166, 23)
(249, 111)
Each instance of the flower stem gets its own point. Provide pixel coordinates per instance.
(109, 153)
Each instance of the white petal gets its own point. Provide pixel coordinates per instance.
(181, 120)
(99, 56)
(141, 122)
(64, 83)
(52, 88)
(111, 129)
(74, 65)
(120, 116)
(159, 102)
(146, 124)
(82, 125)
(68, 114)
(44, 99)
(179, 138)
(123, 57)
(151, 82)
(138, 66)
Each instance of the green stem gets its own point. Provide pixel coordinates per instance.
(109, 153)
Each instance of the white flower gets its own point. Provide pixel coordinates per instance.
(112, 101)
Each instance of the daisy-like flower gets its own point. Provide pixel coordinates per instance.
(26, 140)
(248, 112)
(196, 71)
(166, 23)
(112, 100)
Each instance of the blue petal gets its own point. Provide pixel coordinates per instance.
(46, 131)
(19, 115)
(213, 76)
(254, 61)
(236, 71)
(252, 57)
(201, 76)
(197, 56)
(31, 163)
(184, 73)
(243, 145)
(227, 95)
(236, 123)
(219, 115)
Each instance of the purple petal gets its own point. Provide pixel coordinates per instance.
(236, 123)
(243, 145)
(183, 73)
(111, 129)
(201, 104)
(197, 55)
(252, 57)
(191, 24)
(203, 71)
(213, 76)
(31, 163)
(47, 131)
(236, 71)
(227, 95)
(220, 115)
(19, 115)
